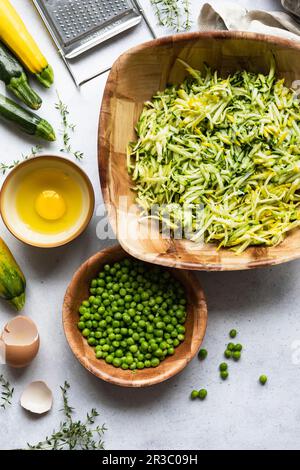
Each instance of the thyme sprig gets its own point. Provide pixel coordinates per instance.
(174, 14)
(67, 127)
(73, 435)
(7, 392)
(5, 167)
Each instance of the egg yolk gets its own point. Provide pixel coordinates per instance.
(50, 205)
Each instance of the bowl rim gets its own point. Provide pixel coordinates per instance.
(103, 151)
(113, 378)
(67, 161)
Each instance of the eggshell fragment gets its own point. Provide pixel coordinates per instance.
(37, 398)
(21, 339)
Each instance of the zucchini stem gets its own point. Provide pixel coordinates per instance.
(46, 76)
(21, 88)
(45, 130)
(18, 302)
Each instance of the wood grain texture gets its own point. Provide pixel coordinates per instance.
(196, 322)
(134, 78)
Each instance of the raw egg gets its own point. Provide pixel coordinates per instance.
(49, 200)
(21, 341)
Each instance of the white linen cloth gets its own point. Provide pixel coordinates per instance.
(227, 15)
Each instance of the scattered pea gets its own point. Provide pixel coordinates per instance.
(202, 394)
(194, 394)
(232, 333)
(236, 355)
(263, 379)
(223, 366)
(228, 354)
(224, 374)
(202, 354)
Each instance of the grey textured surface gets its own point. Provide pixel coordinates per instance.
(262, 305)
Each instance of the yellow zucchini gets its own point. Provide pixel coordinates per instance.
(12, 280)
(16, 36)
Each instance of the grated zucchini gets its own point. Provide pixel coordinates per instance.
(229, 146)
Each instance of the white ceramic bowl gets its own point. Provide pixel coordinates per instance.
(17, 226)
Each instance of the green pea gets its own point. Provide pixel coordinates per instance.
(224, 374)
(144, 346)
(194, 394)
(230, 346)
(81, 325)
(232, 333)
(228, 354)
(202, 354)
(263, 379)
(135, 336)
(238, 347)
(202, 394)
(155, 362)
(109, 359)
(129, 360)
(116, 362)
(236, 355)
(92, 341)
(158, 353)
(223, 366)
(86, 332)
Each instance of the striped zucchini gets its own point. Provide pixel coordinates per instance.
(12, 280)
(14, 77)
(25, 119)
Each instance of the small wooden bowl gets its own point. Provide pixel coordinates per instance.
(135, 77)
(196, 322)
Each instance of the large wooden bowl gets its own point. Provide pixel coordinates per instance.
(196, 322)
(134, 78)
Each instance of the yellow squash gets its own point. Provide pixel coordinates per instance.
(16, 36)
(12, 280)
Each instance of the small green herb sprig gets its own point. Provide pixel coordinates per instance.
(67, 127)
(174, 14)
(6, 392)
(5, 167)
(73, 435)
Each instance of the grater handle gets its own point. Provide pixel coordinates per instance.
(142, 12)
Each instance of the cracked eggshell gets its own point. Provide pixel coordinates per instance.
(21, 339)
(37, 398)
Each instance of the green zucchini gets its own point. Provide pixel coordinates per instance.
(26, 120)
(12, 280)
(15, 79)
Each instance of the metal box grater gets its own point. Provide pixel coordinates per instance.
(78, 25)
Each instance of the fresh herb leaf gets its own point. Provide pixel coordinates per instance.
(67, 127)
(174, 14)
(73, 435)
(5, 167)
(6, 392)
